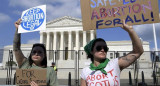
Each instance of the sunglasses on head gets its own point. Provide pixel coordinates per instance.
(99, 48)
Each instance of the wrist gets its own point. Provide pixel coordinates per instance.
(130, 30)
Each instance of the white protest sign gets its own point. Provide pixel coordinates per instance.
(33, 19)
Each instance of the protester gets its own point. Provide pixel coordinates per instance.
(54, 67)
(105, 72)
(36, 60)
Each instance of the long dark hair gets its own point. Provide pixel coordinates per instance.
(44, 61)
(97, 40)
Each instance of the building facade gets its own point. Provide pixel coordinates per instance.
(67, 34)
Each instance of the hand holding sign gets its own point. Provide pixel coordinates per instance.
(126, 27)
(33, 83)
(17, 23)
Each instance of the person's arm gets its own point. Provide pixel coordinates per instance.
(83, 82)
(20, 58)
(131, 57)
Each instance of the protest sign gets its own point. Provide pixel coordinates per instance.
(25, 76)
(99, 14)
(33, 19)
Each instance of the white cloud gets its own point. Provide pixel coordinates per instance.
(146, 31)
(55, 8)
(17, 12)
(4, 18)
(62, 8)
(32, 41)
(66, 9)
(26, 3)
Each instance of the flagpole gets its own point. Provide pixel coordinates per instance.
(155, 39)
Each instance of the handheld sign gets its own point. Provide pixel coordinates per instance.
(25, 76)
(33, 19)
(98, 14)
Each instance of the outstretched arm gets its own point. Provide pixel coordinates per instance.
(17, 44)
(128, 59)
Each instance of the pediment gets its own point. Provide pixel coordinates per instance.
(64, 22)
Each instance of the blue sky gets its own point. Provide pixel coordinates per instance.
(10, 11)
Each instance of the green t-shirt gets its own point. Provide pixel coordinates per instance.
(51, 75)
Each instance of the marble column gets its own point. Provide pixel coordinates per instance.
(69, 45)
(41, 37)
(55, 44)
(48, 41)
(52, 40)
(62, 46)
(77, 40)
(92, 34)
(84, 38)
(84, 44)
(55, 41)
(48, 45)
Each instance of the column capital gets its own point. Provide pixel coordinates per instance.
(77, 31)
(48, 33)
(55, 31)
(69, 31)
(84, 31)
(91, 31)
(62, 32)
(41, 32)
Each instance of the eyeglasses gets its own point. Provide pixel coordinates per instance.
(99, 48)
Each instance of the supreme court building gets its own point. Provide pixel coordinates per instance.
(66, 34)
